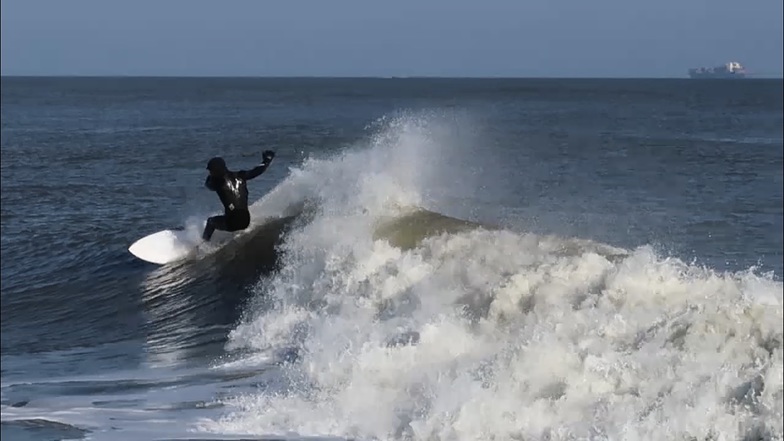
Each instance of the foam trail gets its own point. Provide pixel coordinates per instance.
(487, 334)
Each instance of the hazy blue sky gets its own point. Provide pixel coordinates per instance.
(584, 38)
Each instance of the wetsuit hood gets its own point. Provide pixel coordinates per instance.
(217, 165)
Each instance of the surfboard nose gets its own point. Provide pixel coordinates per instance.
(164, 246)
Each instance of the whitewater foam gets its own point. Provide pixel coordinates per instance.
(495, 334)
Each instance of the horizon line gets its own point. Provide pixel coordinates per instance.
(380, 77)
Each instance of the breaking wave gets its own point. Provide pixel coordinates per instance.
(398, 322)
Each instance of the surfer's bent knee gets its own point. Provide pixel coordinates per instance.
(239, 220)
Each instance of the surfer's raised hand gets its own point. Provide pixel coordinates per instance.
(268, 155)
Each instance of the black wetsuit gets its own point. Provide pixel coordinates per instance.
(233, 193)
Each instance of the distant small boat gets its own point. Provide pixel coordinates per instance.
(733, 70)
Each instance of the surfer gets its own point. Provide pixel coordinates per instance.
(233, 193)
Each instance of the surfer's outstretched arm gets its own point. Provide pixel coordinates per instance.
(256, 171)
(252, 173)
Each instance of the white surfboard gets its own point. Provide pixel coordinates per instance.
(164, 247)
(168, 246)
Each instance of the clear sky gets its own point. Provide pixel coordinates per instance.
(572, 38)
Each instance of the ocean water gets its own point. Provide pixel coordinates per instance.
(430, 259)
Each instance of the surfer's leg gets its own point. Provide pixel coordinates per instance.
(238, 220)
(213, 223)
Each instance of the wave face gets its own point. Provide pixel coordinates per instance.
(465, 332)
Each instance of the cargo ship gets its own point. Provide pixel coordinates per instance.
(733, 69)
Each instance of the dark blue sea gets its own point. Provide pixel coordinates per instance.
(429, 259)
